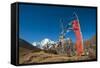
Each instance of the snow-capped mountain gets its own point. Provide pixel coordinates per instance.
(44, 42)
(34, 43)
(37, 44)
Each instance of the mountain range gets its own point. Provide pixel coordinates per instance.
(43, 43)
(24, 44)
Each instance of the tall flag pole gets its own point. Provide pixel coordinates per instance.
(62, 28)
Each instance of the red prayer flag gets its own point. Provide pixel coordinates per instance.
(79, 43)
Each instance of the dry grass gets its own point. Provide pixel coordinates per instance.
(28, 56)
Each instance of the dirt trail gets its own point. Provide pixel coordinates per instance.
(42, 57)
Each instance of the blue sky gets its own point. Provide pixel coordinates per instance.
(38, 22)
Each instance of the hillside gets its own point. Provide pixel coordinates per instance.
(31, 54)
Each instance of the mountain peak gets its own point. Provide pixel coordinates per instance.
(42, 43)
